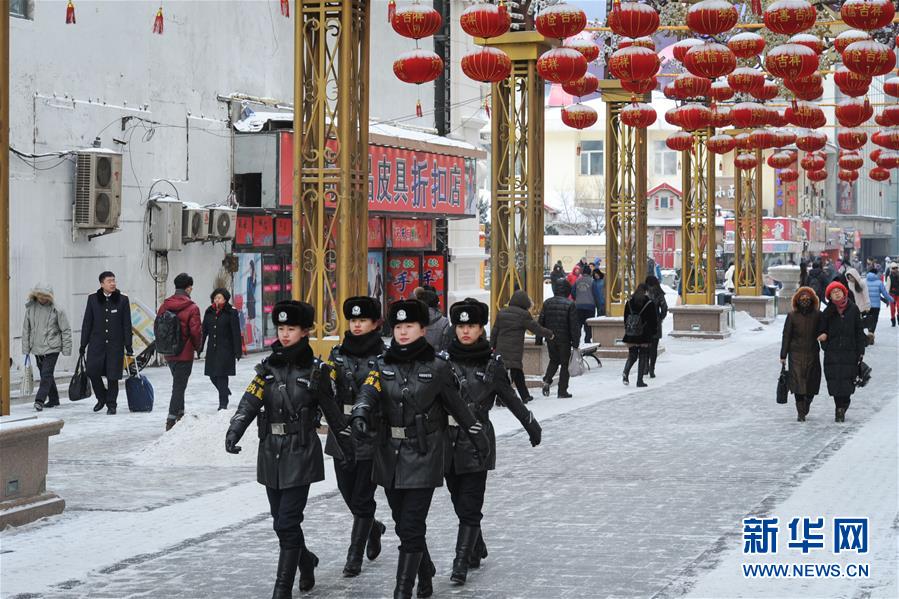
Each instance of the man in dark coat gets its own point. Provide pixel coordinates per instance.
(106, 338)
(182, 364)
(222, 342)
(799, 344)
(507, 337)
(843, 339)
(559, 315)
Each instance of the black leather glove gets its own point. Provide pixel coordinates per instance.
(231, 439)
(360, 428)
(479, 440)
(535, 433)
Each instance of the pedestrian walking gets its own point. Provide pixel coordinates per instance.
(184, 318)
(221, 343)
(572, 277)
(484, 381)
(818, 280)
(729, 278)
(877, 292)
(507, 338)
(352, 360)
(599, 291)
(558, 272)
(585, 303)
(843, 340)
(641, 322)
(799, 349)
(439, 332)
(657, 295)
(858, 289)
(559, 315)
(894, 292)
(105, 340)
(45, 334)
(408, 395)
(285, 396)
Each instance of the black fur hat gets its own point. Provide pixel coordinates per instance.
(293, 313)
(469, 311)
(411, 310)
(362, 306)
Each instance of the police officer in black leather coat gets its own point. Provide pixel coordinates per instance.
(408, 396)
(289, 389)
(352, 360)
(483, 379)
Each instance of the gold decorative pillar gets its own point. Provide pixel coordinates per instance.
(698, 222)
(4, 208)
(748, 230)
(516, 260)
(625, 168)
(330, 203)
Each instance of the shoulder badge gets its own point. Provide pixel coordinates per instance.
(443, 355)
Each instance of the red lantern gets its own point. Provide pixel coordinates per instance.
(879, 174)
(638, 115)
(643, 42)
(848, 176)
(672, 116)
(488, 65)
(781, 159)
(890, 115)
(853, 112)
(721, 91)
(888, 138)
(787, 17)
(809, 41)
(585, 47)
(640, 86)
(679, 141)
(711, 17)
(746, 80)
(742, 141)
(762, 139)
(852, 84)
(416, 21)
(691, 86)
(710, 60)
(720, 144)
(694, 116)
(888, 160)
(418, 66)
(746, 161)
(791, 61)
(720, 117)
(680, 49)
(584, 86)
(561, 65)
(868, 14)
(746, 45)
(579, 116)
(633, 19)
(632, 63)
(805, 114)
(842, 41)
(561, 21)
(783, 138)
(852, 139)
(768, 91)
(812, 162)
(851, 162)
(810, 94)
(788, 175)
(891, 87)
(804, 85)
(749, 115)
(875, 154)
(777, 117)
(485, 20)
(810, 141)
(869, 58)
(816, 176)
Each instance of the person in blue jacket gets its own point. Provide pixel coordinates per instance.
(599, 292)
(876, 291)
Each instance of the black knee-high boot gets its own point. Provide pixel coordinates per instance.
(287, 570)
(406, 569)
(479, 552)
(465, 542)
(358, 538)
(373, 549)
(308, 563)
(642, 365)
(426, 572)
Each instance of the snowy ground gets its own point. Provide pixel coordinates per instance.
(146, 508)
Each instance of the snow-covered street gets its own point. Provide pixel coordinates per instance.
(633, 492)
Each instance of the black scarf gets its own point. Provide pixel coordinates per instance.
(361, 346)
(298, 354)
(479, 351)
(419, 350)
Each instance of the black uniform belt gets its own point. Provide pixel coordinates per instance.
(410, 432)
(284, 428)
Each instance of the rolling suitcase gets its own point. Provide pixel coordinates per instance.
(140, 393)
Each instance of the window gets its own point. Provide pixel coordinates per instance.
(19, 8)
(664, 159)
(591, 158)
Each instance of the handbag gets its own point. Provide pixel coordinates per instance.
(27, 387)
(575, 363)
(80, 385)
(864, 374)
(783, 385)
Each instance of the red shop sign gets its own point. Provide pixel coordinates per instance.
(402, 277)
(376, 232)
(263, 234)
(410, 233)
(433, 273)
(283, 230)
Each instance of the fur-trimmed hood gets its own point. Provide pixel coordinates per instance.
(41, 292)
(816, 304)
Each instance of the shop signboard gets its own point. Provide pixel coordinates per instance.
(247, 299)
(407, 233)
(402, 277)
(433, 273)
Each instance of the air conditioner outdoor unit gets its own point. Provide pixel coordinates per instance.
(222, 223)
(194, 223)
(165, 223)
(98, 189)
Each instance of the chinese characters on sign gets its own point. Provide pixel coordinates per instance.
(402, 277)
(806, 534)
(410, 234)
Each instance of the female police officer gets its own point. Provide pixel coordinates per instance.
(289, 388)
(352, 360)
(483, 379)
(413, 389)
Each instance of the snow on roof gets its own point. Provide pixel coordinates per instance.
(662, 186)
(255, 121)
(410, 133)
(574, 239)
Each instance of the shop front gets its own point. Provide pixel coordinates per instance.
(783, 240)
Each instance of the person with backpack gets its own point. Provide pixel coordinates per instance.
(641, 322)
(818, 280)
(507, 338)
(179, 337)
(559, 314)
(106, 339)
(45, 333)
(222, 343)
(657, 295)
(584, 302)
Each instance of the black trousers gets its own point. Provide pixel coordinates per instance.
(467, 492)
(356, 487)
(583, 314)
(559, 354)
(286, 506)
(409, 508)
(180, 373)
(653, 355)
(221, 383)
(107, 394)
(517, 376)
(46, 364)
(640, 355)
(842, 401)
(871, 319)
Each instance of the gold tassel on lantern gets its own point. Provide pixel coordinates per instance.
(487, 106)
(418, 111)
(391, 11)
(158, 22)
(70, 13)
(285, 8)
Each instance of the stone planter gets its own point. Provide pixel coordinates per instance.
(788, 275)
(760, 307)
(700, 321)
(23, 470)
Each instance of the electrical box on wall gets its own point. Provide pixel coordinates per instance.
(165, 224)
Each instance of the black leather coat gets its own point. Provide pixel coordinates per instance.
(221, 340)
(292, 459)
(411, 396)
(351, 372)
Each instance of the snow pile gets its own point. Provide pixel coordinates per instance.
(744, 322)
(199, 439)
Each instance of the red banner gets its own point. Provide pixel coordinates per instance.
(410, 233)
(402, 277)
(376, 232)
(263, 234)
(433, 273)
(283, 230)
